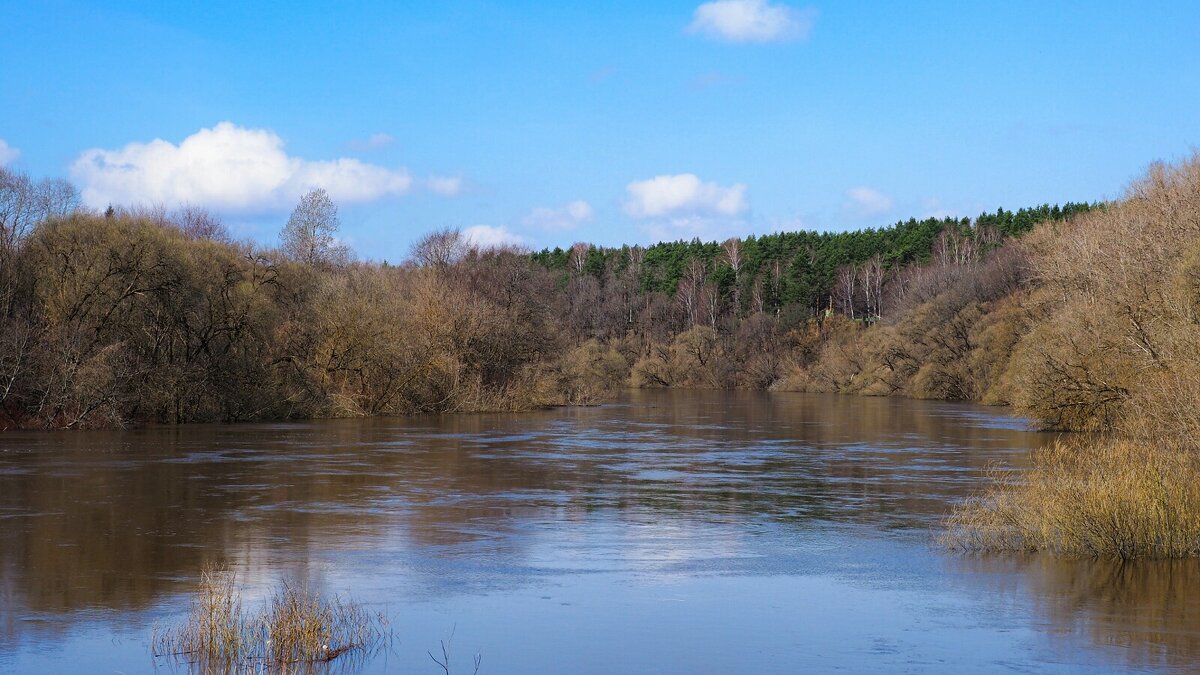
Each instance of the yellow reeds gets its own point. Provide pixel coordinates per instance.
(1094, 497)
(298, 627)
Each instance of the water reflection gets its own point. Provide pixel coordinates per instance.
(1149, 610)
(665, 483)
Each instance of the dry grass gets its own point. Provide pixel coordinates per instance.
(1089, 497)
(298, 631)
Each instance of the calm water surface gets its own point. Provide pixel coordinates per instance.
(690, 532)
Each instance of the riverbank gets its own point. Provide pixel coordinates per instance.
(1088, 325)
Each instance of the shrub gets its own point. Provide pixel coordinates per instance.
(590, 373)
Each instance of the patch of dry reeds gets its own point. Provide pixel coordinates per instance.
(297, 630)
(1089, 497)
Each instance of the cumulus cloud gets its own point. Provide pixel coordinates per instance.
(486, 236)
(683, 193)
(752, 21)
(372, 142)
(567, 217)
(8, 154)
(226, 167)
(866, 202)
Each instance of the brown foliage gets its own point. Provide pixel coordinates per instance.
(1088, 324)
(590, 373)
(696, 357)
(154, 316)
(115, 321)
(1115, 307)
(1114, 347)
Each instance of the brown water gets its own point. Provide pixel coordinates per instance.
(672, 532)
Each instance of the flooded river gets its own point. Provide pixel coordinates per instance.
(678, 532)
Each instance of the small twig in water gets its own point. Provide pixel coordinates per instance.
(444, 662)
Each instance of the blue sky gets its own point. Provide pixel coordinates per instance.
(617, 122)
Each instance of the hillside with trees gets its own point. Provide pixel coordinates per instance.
(797, 272)
(143, 315)
(146, 315)
(1105, 337)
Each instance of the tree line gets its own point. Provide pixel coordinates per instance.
(797, 273)
(147, 315)
(141, 316)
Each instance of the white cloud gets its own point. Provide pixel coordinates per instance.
(226, 167)
(372, 142)
(752, 21)
(866, 202)
(486, 236)
(683, 193)
(444, 185)
(567, 217)
(8, 154)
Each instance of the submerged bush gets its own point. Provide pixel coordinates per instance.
(1089, 497)
(297, 628)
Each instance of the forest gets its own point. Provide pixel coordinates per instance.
(144, 315)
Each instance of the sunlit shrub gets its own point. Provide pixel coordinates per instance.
(1089, 497)
(590, 373)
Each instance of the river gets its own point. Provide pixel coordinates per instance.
(670, 531)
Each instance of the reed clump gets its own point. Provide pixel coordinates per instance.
(1114, 498)
(298, 629)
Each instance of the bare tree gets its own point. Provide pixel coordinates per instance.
(16, 212)
(732, 249)
(438, 249)
(711, 298)
(776, 284)
(844, 289)
(871, 276)
(637, 257)
(24, 204)
(952, 247)
(756, 299)
(686, 295)
(311, 233)
(630, 278)
(156, 213)
(197, 223)
(56, 198)
(579, 255)
(691, 289)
